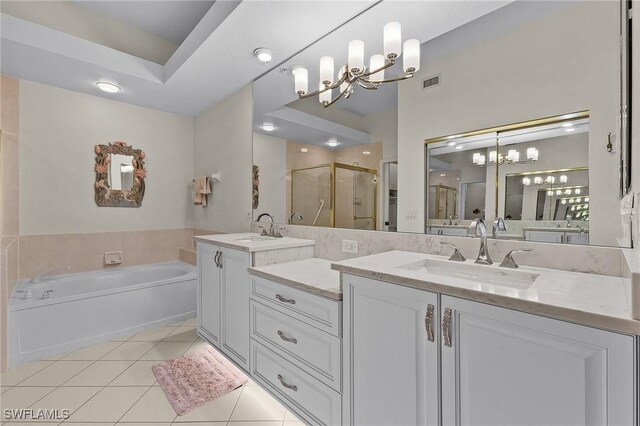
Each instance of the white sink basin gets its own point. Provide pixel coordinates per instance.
(253, 238)
(480, 274)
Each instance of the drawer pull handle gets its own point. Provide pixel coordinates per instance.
(446, 327)
(286, 338)
(285, 300)
(428, 323)
(287, 385)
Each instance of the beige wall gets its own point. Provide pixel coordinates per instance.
(58, 131)
(571, 64)
(223, 143)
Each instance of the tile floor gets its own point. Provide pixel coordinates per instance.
(112, 383)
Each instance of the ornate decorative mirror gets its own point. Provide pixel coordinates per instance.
(120, 175)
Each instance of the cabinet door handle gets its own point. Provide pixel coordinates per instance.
(446, 327)
(215, 258)
(287, 338)
(428, 323)
(220, 260)
(285, 300)
(287, 385)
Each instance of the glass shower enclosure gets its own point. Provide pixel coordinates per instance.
(334, 195)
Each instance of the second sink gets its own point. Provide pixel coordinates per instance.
(474, 273)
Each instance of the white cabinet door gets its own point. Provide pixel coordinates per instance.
(577, 238)
(235, 305)
(509, 368)
(390, 354)
(208, 293)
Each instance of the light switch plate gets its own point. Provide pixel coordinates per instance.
(113, 258)
(350, 246)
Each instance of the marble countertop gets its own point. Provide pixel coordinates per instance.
(313, 275)
(589, 299)
(252, 242)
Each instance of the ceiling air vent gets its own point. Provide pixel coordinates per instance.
(430, 82)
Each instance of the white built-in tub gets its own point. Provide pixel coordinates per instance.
(94, 307)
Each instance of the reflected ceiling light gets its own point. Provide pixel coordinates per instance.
(356, 73)
(263, 54)
(570, 129)
(479, 159)
(366, 152)
(558, 192)
(567, 191)
(550, 193)
(108, 87)
(563, 178)
(586, 200)
(304, 150)
(443, 174)
(563, 202)
(268, 127)
(526, 181)
(459, 147)
(567, 125)
(333, 143)
(578, 191)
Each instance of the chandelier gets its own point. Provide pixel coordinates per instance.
(512, 157)
(355, 72)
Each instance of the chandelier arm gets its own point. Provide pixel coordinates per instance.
(366, 84)
(392, 80)
(330, 87)
(333, 101)
(384, 67)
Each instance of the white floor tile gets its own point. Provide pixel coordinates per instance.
(91, 353)
(3, 389)
(176, 324)
(129, 351)
(196, 346)
(152, 335)
(166, 350)
(152, 407)
(138, 374)
(218, 410)
(255, 404)
(21, 372)
(108, 405)
(290, 417)
(192, 322)
(100, 373)
(56, 374)
(69, 398)
(255, 423)
(182, 334)
(54, 357)
(22, 397)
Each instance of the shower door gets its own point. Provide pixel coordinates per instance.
(311, 195)
(355, 197)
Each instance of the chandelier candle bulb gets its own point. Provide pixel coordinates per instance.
(493, 157)
(563, 179)
(481, 160)
(377, 61)
(301, 76)
(537, 180)
(525, 181)
(577, 191)
(326, 70)
(476, 157)
(392, 40)
(411, 60)
(356, 56)
(551, 179)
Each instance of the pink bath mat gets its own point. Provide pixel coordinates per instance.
(195, 379)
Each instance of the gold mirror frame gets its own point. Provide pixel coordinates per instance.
(107, 197)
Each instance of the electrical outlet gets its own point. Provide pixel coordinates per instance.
(350, 246)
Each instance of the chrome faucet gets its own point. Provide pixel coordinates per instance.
(498, 225)
(478, 225)
(297, 215)
(457, 255)
(509, 261)
(264, 231)
(38, 278)
(46, 294)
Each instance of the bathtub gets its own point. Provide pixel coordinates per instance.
(94, 307)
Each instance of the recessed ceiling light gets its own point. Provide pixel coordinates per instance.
(459, 147)
(333, 143)
(443, 174)
(451, 144)
(268, 127)
(366, 152)
(108, 87)
(570, 129)
(304, 150)
(263, 54)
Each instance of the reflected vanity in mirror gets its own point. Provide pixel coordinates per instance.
(550, 175)
(120, 175)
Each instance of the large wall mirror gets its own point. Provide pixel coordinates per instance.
(518, 103)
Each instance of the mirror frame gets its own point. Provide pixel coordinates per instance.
(107, 197)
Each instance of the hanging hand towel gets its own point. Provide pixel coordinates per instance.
(201, 189)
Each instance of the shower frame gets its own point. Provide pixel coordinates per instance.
(332, 188)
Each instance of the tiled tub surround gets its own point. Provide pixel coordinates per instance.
(588, 259)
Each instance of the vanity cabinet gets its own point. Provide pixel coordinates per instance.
(390, 354)
(557, 237)
(223, 300)
(497, 366)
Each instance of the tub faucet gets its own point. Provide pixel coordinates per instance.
(478, 225)
(498, 225)
(296, 215)
(38, 278)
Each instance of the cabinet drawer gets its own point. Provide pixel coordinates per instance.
(310, 308)
(316, 351)
(314, 401)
